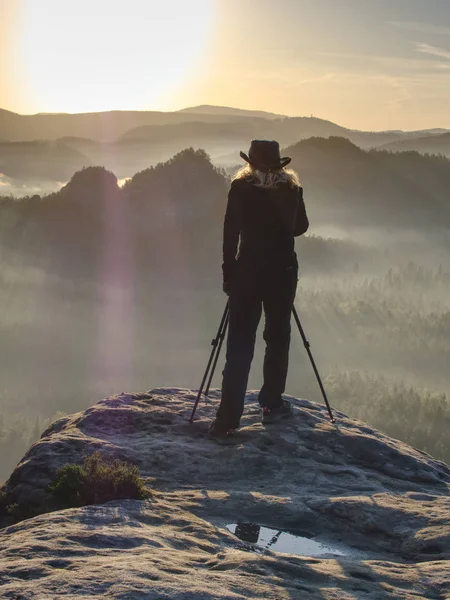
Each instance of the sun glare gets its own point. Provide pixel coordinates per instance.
(88, 55)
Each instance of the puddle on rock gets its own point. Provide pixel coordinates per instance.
(281, 541)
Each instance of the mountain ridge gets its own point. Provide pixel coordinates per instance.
(345, 185)
(229, 110)
(109, 125)
(437, 143)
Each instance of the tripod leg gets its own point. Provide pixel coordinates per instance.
(308, 350)
(214, 344)
(216, 358)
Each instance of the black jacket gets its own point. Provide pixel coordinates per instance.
(266, 220)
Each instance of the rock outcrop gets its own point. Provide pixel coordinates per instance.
(347, 483)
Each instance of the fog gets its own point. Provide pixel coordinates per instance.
(106, 289)
(18, 188)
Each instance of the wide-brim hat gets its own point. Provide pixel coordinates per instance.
(264, 155)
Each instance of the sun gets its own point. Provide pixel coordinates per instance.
(96, 55)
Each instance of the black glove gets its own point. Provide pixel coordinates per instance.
(228, 271)
(226, 287)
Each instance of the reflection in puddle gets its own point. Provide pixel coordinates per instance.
(281, 541)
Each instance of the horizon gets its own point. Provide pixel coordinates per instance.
(234, 108)
(366, 67)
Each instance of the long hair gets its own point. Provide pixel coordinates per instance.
(267, 180)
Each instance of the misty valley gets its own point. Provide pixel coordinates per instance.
(106, 288)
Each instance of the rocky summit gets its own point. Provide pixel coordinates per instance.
(384, 505)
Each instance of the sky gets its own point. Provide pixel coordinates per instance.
(365, 64)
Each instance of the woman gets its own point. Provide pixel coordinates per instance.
(265, 211)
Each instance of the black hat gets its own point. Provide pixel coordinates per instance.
(264, 155)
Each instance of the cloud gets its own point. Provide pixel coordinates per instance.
(396, 64)
(325, 77)
(433, 50)
(421, 27)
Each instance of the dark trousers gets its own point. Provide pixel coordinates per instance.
(275, 292)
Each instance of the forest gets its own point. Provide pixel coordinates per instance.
(105, 289)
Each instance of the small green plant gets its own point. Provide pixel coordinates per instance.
(97, 481)
(11, 509)
(12, 512)
(3, 501)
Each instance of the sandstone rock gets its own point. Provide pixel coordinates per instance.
(346, 483)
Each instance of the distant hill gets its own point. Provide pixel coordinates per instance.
(77, 142)
(140, 147)
(126, 142)
(430, 144)
(194, 131)
(100, 126)
(182, 200)
(103, 126)
(107, 127)
(207, 109)
(347, 186)
(344, 185)
(223, 140)
(435, 130)
(40, 160)
(173, 212)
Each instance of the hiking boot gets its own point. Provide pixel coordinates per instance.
(218, 432)
(277, 413)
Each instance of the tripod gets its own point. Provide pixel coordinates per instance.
(217, 346)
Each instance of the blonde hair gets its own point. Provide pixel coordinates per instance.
(268, 180)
